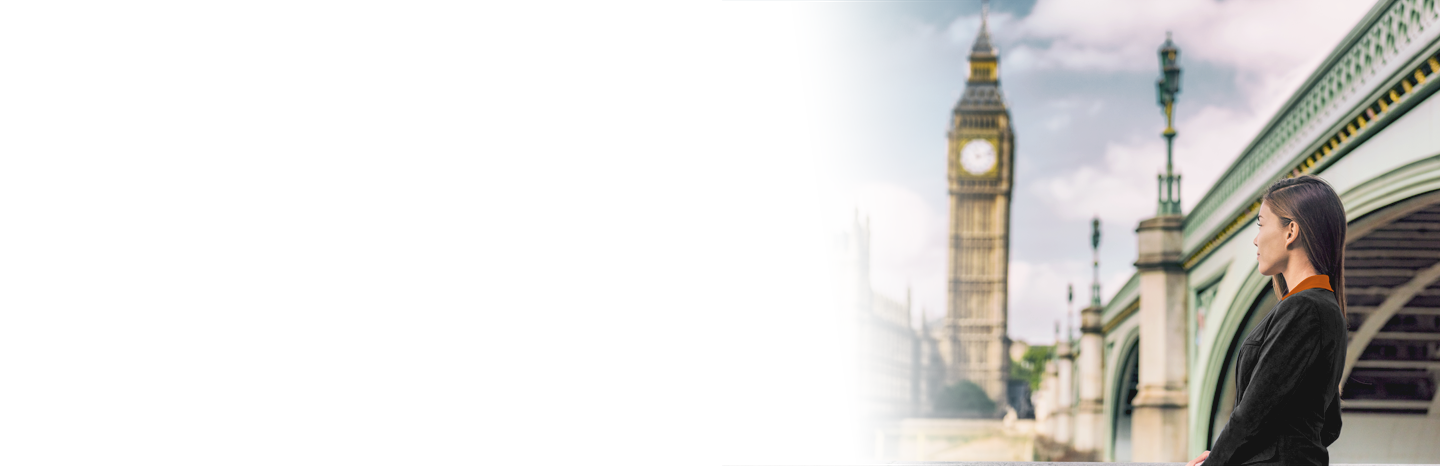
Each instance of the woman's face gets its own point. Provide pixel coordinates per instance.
(1271, 242)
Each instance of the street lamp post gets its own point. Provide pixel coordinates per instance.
(1095, 251)
(1165, 90)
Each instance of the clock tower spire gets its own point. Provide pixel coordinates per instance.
(980, 162)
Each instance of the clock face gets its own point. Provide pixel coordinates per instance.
(977, 157)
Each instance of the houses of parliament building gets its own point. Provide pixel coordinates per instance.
(821, 351)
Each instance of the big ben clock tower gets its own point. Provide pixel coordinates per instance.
(980, 162)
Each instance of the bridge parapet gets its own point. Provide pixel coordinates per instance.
(1379, 64)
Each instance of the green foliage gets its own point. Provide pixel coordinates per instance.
(964, 399)
(1031, 365)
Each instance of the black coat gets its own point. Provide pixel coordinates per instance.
(1287, 401)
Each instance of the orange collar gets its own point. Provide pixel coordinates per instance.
(1315, 281)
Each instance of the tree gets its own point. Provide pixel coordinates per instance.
(964, 399)
(1031, 365)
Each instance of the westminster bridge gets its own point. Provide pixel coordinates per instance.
(1155, 379)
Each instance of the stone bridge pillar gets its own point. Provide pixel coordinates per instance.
(1064, 420)
(1045, 400)
(1088, 417)
(1160, 428)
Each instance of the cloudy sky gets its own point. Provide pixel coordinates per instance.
(1079, 77)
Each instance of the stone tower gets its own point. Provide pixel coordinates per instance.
(980, 168)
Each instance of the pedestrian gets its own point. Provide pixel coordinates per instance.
(1287, 402)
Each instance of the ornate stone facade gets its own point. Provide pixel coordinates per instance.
(817, 351)
(980, 160)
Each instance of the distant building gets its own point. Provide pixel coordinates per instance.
(820, 350)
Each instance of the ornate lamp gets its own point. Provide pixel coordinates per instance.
(1165, 90)
(1095, 250)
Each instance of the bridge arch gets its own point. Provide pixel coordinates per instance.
(1220, 390)
(1239, 317)
(1124, 385)
(1392, 272)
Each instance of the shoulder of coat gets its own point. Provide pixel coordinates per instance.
(1314, 298)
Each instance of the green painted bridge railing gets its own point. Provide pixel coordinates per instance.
(1322, 120)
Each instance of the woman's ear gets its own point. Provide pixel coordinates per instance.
(1292, 233)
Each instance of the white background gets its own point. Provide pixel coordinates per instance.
(410, 233)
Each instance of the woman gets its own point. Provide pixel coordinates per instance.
(1287, 402)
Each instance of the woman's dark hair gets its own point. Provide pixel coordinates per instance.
(1312, 203)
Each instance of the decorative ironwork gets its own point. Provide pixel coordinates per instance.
(1095, 251)
(1165, 90)
(1315, 129)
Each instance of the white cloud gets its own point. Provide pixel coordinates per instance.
(1121, 190)
(1057, 122)
(1272, 44)
(1124, 188)
(1038, 296)
(963, 30)
(1270, 56)
(907, 235)
(1064, 111)
(1038, 300)
(1095, 107)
